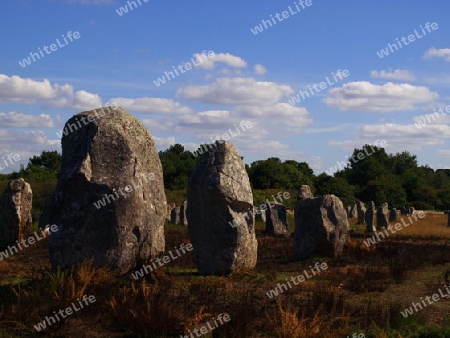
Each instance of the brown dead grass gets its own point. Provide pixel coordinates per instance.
(365, 288)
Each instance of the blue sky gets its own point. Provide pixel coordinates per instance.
(251, 77)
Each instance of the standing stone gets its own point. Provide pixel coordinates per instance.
(260, 215)
(370, 217)
(175, 215)
(183, 218)
(321, 226)
(15, 212)
(220, 212)
(361, 212)
(403, 210)
(349, 209)
(304, 192)
(169, 211)
(383, 216)
(277, 221)
(412, 210)
(393, 215)
(353, 213)
(109, 203)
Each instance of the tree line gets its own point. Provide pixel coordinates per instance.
(380, 177)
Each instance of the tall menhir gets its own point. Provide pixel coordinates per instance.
(219, 192)
(101, 159)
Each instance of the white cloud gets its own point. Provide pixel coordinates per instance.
(238, 91)
(260, 69)
(26, 144)
(365, 96)
(225, 58)
(280, 115)
(29, 91)
(151, 105)
(440, 53)
(397, 74)
(162, 143)
(398, 137)
(20, 120)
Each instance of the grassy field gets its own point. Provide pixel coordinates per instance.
(362, 292)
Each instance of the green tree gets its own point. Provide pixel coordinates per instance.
(325, 184)
(178, 165)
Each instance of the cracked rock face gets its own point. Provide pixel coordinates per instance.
(219, 194)
(321, 226)
(111, 159)
(15, 212)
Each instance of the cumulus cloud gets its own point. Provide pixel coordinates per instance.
(29, 91)
(397, 74)
(365, 96)
(260, 69)
(20, 120)
(289, 118)
(224, 58)
(398, 136)
(237, 91)
(439, 53)
(151, 105)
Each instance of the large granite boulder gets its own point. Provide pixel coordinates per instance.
(15, 212)
(361, 212)
(220, 212)
(109, 203)
(321, 226)
(383, 216)
(276, 221)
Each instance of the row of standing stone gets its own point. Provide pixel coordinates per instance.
(106, 208)
(376, 218)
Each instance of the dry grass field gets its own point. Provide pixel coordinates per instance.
(361, 292)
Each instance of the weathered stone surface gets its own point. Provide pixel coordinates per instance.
(112, 159)
(15, 212)
(304, 192)
(276, 221)
(183, 217)
(361, 212)
(175, 215)
(321, 226)
(348, 208)
(219, 194)
(370, 217)
(383, 216)
(393, 215)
